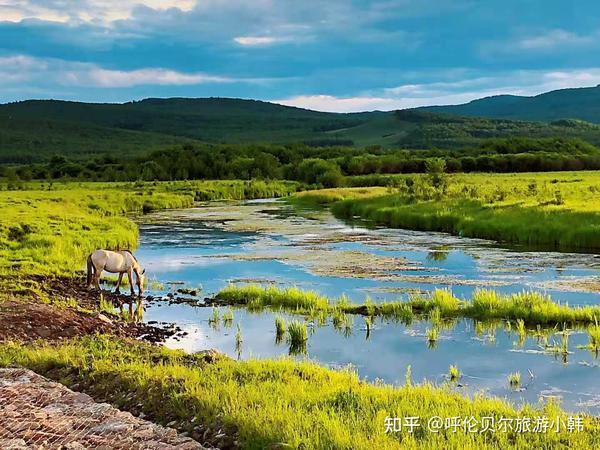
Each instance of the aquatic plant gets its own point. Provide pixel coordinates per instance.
(521, 331)
(594, 337)
(514, 379)
(214, 319)
(368, 325)
(227, 317)
(238, 340)
(454, 373)
(297, 336)
(432, 334)
(279, 329)
(528, 307)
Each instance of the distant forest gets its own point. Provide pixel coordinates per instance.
(322, 166)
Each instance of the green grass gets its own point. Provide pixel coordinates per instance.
(514, 379)
(279, 328)
(527, 307)
(433, 335)
(271, 402)
(549, 210)
(50, 232)
(454, 373)
(594, 338)
(297, 336)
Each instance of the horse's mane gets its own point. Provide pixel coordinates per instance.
(132, 255)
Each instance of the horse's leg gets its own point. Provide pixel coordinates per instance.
(130, 277)
(97, 278)
(117, 291)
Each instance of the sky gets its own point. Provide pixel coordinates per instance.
(328, 55)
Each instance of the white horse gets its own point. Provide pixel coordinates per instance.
(120, 262)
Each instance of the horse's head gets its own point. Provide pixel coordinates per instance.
(140, 279)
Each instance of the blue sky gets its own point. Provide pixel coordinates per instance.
(329, 55)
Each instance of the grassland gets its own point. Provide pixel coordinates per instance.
(282, 403)
(48, 229)
(550, 210)
(532, 308)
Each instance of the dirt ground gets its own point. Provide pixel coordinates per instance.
(26, 318)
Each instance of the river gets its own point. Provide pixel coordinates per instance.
(271, 243)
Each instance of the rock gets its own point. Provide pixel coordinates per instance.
(105, 319)
(45, 414)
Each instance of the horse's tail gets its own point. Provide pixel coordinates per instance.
(90, 269)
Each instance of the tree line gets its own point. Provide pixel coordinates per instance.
(326, 167)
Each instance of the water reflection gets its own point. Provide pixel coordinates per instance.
(210, 246)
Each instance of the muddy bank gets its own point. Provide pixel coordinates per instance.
(56, 308)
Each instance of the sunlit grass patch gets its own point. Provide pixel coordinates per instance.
(514, 379)
(523, 308)
(297, 336)
(453, 373)
(267, 403)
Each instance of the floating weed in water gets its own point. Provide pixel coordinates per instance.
(156, 285)
(214, 319)
(432, 334)
(521, 332)
(435, 316)
(368, 325)
(298, 337)
(514, 380)
(562, 348)
(594, 338)
(339, 319)
(279, 329)
(454, 373)
(479, 328)
(228, 317)
(349, 323)
(238, 340)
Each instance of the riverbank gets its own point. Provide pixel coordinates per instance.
(281, 404)
(554, 211)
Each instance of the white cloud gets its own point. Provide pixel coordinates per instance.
(20, 69)
(448, 93)
(331, 103)
(256, 40)
(119, 78)
(105, 11)
(553, 39)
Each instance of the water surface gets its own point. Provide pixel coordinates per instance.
(269, 242)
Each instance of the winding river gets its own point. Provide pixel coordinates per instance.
(271, 243)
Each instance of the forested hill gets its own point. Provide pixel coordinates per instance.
(577, 103)
(36, 130)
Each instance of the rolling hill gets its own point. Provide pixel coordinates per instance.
(35, 130)
(576, 103)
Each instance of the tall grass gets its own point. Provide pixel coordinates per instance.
(594, 337)
(278, 403)
(528, 307)
(297, 337)
(514, 379)
(279, 329)
(499, 207)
